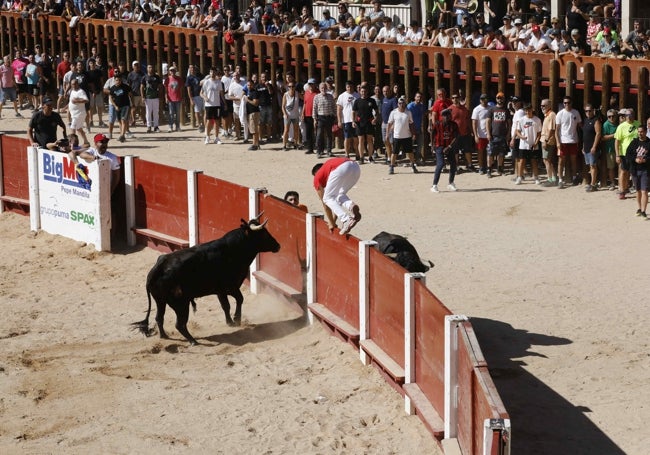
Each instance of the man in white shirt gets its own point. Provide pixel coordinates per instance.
(480, 114)
(100, 152)
(212, 94)
(235, 93)
(388, 33)
(344, 104)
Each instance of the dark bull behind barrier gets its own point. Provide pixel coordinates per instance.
(217, 267)
(401, 251)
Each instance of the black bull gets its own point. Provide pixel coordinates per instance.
(401, 251)
(217, 267)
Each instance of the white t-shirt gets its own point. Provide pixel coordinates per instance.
(568, 122)
(211, 91)
(530, 127)
(115, 161)
(520, 113)
(481, 114)
(235, 92)
(77, 109)
(400, 121)
(346, 100)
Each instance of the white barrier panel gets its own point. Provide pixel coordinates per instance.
(73, 202)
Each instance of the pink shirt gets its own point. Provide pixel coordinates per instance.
(174, 88)
(6, 76)
(18, 66)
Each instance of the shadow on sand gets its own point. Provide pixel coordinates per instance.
(543, 422)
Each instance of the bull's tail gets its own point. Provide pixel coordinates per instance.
(143, 326)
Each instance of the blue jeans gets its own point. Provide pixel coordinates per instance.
(440, 164)
(174, 114)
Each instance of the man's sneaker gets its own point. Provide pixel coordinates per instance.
(489, 174)
(434, 189)
(170, 130)
(130, 135)
(356, 213)
(347, 226)
(415, 169)
(254, 147)
(537, 182)
(560, 184)
(207, 140)
(638, 212)
(149, 130)
(644, 216)
(217, 140)
(201, 129)
(19, 115)
(103, 125)
(518, 181)
(452, 187)
(589, 188)
(156, 129)
(391, 170)
(121, 139)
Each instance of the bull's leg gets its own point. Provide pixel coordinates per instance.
(225, 304)
(182, 310)
(160, 317)
(239, 299)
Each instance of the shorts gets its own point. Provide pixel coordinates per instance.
(228, 107)
(122, 113)
(624, 165)
(33, 89)
(384, 129)
(403, 145)
(568, 150)
(366, 130)
(199, 104)
(137, 101)
(96, 101)
(253, 122)
(78, 122)
(22, 88)
(530, 154)
(112, 116)
(8, 94)
(266, 115)
(212, 112)
(348, 131)
(610, 158)
(465, 143)
(591, 159)
(549, 152)
(498, 146)
(640, 179)
(291, 121)
(482, 143)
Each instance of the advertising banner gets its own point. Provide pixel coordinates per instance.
(73, 200)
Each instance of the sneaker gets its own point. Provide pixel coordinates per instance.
(156, 129)
(309, 152)
(217, 141)
(434, 189)
(638, 212)
(518, 181)
(452, 187)
(537, 182)
(482, 172)
(207, 140)
(589, 188)
(560, 184)
(489, 174)
(169, 130)
(644, 216)
(19, 115)
(356, 213)
(391, 170)
(621, 196)
(103, 125)
(254, 147)
(415, 169)
(130, 135)
(149, 130)
(201, 129)
(121, 139)
(347, 226)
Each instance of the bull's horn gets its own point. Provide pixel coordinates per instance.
(257, 218)
(259, 226)
(391, 255)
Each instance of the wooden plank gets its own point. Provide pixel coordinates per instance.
(164, 237)
(425, 410)
(330, 318)
(14, 200)
(283, 288)
(383, 360)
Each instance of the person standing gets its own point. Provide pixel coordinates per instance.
(549, 145)
(62, 69)
(95, 84)
(265, 90)
(151, 92)
(417, 110)
(625, 133)
(444, 133)
(332, 181)
(290, 106)
(33, 74)
(638, 158)
(388, 105)
(77, 109)
(498, 129)
(324, 113)
(465, 145)
(345, 119)
(567, 122)
(307, 116)
(529, 131)
(591, 135)
(213, 97)
(479, 117)
(235, 94)
(400, 126)
(100, 152)
(608, 150)
(42, 126)
(251, 111)
(173, 96)
(120, 99)
(134, 79)
(364, 114)
(9, 90)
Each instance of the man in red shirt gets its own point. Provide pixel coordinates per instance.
(307, 118)
(465, 144)
(332, 180)
(440, 104)
(61, 69)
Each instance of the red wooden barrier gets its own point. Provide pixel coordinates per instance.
(160, 200)
(221, 207)
(15, 178)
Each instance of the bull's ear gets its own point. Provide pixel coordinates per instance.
(244, 223)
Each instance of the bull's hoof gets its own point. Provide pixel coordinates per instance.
(164, 336)
(232, 323)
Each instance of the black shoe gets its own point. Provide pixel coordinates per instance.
(246, 141)
(309, 152)
(254, 147)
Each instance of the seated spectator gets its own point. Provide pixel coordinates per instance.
(538, 42)
(607, 46)
(400, 36)
(316, 33)
(500, 43)
(428, 33)
(388, 33)
(639, 49)
(275, 27)
(515, 35)
(351, 32)
(414, 34)
(593, 28)
(628, 43)
(445, 36)
(327, 22)
(577, 45)
(299, 30)
(368, 33)
(474, 39)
